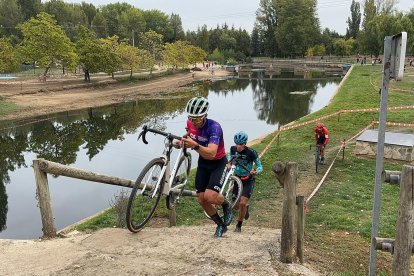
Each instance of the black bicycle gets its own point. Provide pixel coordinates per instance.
(317, 155)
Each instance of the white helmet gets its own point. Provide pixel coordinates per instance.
(197, 106)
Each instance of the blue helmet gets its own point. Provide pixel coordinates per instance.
(240, 138)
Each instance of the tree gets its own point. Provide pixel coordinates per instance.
(130, 57)
(354, 21)
(29, 8)
(156, 21)
(131, 23)
(45, 42)
(298, 27)
(90, 51)
(10, 16)
(175, 29)
(267, 21)
(99, 25)
(110, 59)
(90, 11)
(256, 42)
(152, 42)
(8, 60)
(385, 6)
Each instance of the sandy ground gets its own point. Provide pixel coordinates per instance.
(71, 93)
(153, 251)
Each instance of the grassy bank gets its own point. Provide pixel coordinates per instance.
(338, 224)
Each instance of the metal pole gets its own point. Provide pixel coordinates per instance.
(380, 154)
(133, 38)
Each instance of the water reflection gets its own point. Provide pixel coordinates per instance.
(104, 140)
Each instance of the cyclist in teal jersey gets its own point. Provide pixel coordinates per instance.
(246, 157)
(205, 136)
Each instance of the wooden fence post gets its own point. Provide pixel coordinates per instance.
(287, 176)
(300, 227)
(404, 233)
(42, 191)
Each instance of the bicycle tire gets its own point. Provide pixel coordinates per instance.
(141, 207)
(180, 177)
(234, 181)
(317, 158)
(228, 194)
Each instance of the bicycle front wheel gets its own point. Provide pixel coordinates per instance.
(180, 181)
(317, 160)
(233, 190)
(142, 203)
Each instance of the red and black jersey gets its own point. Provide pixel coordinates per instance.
(322, 134)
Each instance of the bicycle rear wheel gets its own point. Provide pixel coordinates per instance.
(180, 181)
(142, 204)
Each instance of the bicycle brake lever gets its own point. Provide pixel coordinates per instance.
(143, 132)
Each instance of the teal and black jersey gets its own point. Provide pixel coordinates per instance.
(246, 157)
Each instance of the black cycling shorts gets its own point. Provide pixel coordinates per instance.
(321, 140)
(210, 174)
(248, 186)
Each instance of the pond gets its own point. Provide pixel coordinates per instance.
(104, 140)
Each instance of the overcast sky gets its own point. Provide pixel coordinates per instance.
(239, 13)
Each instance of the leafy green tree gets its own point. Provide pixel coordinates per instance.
(110, 59)
(45, 42)
(157, 21)
(343, 47)
(203, 38)
(131, 23)
(243, 42)
(298, 26)
(195, 54)
(10, 16)
(217, 56)
(267, 20)
(354, 21)
(386, 6)
(181, 54)
(99, 25)
(175, 29)
(152, 42)
(256, 42)
(112, 14)
(8, 60)
(90, 11)
(133, 58)
(29, 8)
(90, 51)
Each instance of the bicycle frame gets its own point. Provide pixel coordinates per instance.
(166, 156)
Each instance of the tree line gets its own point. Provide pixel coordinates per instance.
(120, 36)
(290, 28)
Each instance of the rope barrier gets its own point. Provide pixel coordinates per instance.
(337, 113)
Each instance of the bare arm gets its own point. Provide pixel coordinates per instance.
(206, 152)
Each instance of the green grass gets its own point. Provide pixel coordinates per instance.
(8, 107)
(338, 225)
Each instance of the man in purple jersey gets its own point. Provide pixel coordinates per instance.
(206, 138)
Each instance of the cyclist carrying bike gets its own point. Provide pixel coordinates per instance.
(321, 138)
(246, 157)
(206, 138)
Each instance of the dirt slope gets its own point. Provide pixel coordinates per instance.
(153, 251)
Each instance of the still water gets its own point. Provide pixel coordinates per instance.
(104, 140)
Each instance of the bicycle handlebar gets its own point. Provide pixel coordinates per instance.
(235, 158)
(145, 129)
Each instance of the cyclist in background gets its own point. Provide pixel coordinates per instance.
(246, 157)
(322, 138)
(205, 136)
